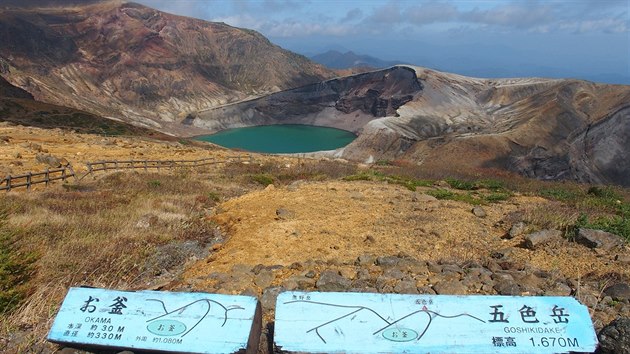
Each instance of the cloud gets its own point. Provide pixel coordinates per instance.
(431, 12)
(352, 15)
(511, 15)
(292, 18)
(386, 14)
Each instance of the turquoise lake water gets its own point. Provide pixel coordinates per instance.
(285, 138)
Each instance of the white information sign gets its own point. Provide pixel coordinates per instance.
(391, 323)
(156, 320)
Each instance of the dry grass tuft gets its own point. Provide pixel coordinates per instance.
(118, 232)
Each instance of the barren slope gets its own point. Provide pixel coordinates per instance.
(128, 61)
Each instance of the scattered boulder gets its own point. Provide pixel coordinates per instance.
(17, 155)
(516, 230)
(406, 287)
(615, 337)
(450, 288)
(264, 278)
(623, 258)
(332, 281)
(507, 287)
(541, 238)
(387, 261)
(284, 214)
(479, 212)
(618, 292)
(35, 147)
(49, 160)
(599, 239)
(421, 197)
(366, 259)
(559, 289)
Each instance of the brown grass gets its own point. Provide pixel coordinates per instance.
(107, 234)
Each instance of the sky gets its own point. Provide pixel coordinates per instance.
(585, 39)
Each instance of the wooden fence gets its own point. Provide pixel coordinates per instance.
(158, 164)
(28, 179)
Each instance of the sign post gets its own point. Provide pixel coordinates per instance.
(159, 321)
(391, 323)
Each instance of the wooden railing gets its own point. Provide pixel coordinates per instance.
(28, 179)
(158, 164)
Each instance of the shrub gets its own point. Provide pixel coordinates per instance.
(154, 183)
(561, 194)
(262, 178)
(460, 184)
(497, 197)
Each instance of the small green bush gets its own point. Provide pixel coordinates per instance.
(262, 178)
(460, 184)
(560, 194)
(215, 197)
(491, 184)
(441, 193)
(497, 197)
(154, 183)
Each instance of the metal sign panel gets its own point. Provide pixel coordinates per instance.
(160, 321)
(391, 323)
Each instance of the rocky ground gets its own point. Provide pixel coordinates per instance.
(365, 236)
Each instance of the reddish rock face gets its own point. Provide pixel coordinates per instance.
(134, 62)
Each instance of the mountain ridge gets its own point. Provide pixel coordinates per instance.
(128, 61)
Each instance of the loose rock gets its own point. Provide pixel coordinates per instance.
(516, 230)
(284, 214)
(332, 281)
(599, 239)
(450, 288)
(615, 337)
(479, 212)
(618, 292)
(541, 238)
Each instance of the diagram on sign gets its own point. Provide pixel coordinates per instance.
(184, 319)
(347, 320)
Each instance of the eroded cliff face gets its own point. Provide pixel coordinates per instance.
(132, 62)
(346, 103)
(540, 128)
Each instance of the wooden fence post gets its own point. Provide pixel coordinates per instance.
(47, 177)
(69, 167)
(29, 176)
(8, 183)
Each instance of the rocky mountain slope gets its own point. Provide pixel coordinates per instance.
(541, 128)
(129, 61)
(18, 107)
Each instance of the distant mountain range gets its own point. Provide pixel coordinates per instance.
(337, 60)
